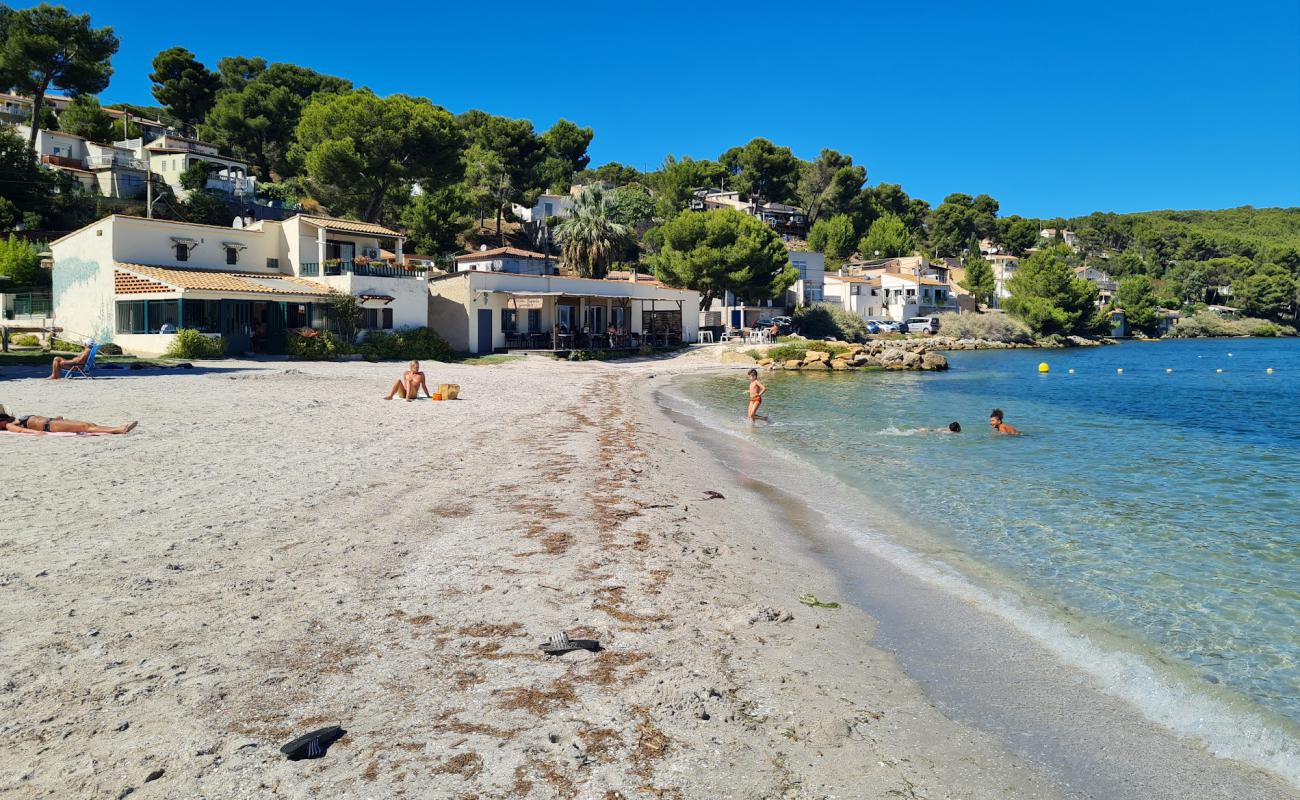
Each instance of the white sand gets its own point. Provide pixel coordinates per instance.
(276, 548)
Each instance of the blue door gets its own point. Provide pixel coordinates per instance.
(484, 331)
(735, 318)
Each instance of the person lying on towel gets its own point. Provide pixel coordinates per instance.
(32, 423)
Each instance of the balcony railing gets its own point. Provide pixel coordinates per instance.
(309, 269)
(114, 161)
(62, 161)
(369, 270)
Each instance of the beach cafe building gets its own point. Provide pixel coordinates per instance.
(484, 312)
(136, 282)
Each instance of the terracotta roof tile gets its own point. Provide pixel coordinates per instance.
(213, 281)
(500, 251)
(350, 226)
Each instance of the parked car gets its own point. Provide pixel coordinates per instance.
(783, 324)
(923, 325)
(885, 326)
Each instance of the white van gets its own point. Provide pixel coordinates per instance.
(922, 325)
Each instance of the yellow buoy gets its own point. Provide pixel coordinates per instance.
(1043, 367)
(1168, 370)
(1219, 370)
(1269, 370)
(1120, 371)
(1071, 372)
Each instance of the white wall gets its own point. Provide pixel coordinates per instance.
(83, 283)
(149, 242)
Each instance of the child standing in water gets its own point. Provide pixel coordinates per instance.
(756, 390)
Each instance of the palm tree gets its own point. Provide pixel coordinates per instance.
(589, 240)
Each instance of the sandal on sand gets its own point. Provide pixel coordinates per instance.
(314, 744)
(560, 643)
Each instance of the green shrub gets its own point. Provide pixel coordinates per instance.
(403, 345)
(25, 340)
(1208, 324)
(797, 350)
(190, 344)
(106, 349)
(825, 320)
(323, 347)
(991, 327)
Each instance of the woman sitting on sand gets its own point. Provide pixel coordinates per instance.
(408, 386)
(41, 425)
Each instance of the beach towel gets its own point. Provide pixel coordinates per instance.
(31, 436)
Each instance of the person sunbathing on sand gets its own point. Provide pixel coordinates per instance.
(995, 419)
(408, 386)
(756, 390)
(61, 365)
(42, 425)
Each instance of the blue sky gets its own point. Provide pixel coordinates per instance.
(1054, 111)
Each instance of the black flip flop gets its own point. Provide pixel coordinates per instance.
(314, 744)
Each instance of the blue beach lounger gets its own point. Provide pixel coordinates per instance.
(84, 371)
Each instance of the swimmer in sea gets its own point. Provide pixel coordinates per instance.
(756, 390)
(995, 420)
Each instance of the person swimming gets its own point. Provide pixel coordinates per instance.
(995, 420)
(755, 392)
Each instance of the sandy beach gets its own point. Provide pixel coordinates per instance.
(277, 549)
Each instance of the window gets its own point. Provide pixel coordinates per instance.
(232, 255)
(509, 319)
(297, 315)
(147, 316)
(201, 315)
(182, 252)
(618, 317)
(370, 318)
(273, 263)
(534, 320)
(550, 210)
(164, 166)
(388, 318)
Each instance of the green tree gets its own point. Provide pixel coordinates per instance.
(47, 47)
(182, 84)
(763, 170)
(566, 154)
(435, 220)
(677, 179)
(21, 264)
(1136, 295)
(516, 153)
(631, 205)
(83, 117)
(612, 174)
(589, 239)
(888, 236)
(834, 237)
(979, 279)
(1017, 234)
(889, 198)
(26, 190)
(236, 72)
(955, 221)
(1048, 297)
(487, 181)
(1269, 291)
(344, 315)
(829, 185)
(360, 148)
(713, 252)
(259, 120)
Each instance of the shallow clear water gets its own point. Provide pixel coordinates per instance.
(1163, 505)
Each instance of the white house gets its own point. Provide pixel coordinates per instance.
(111, 170)
(506, 259)
(857, 294)
(902, 299)
(547, 206)
(1105, 284)
(785, 219)
(171, 154)
(135, 281)
(1069, 237)
(1004, 266)
(808, 289)
(481, 311)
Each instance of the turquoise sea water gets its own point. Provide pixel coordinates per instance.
(1160, 506)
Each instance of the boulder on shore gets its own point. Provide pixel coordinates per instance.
(839, 363)
(793, 363)
(933, 361)
(816, 355)
(816, 365)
